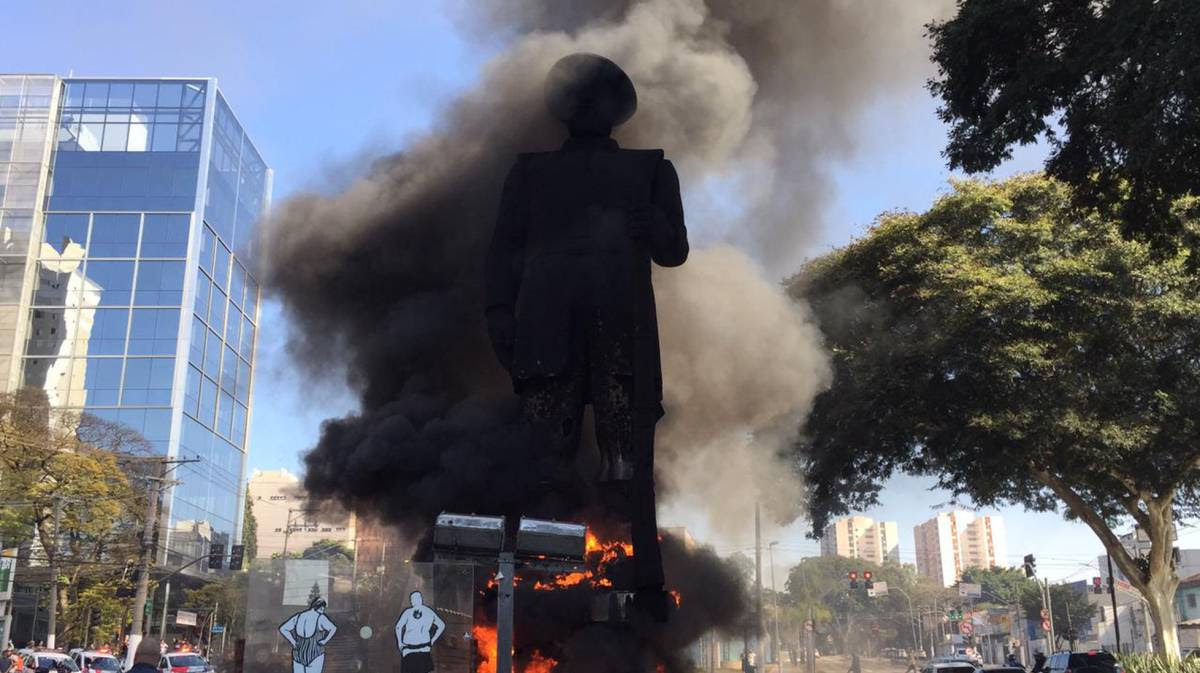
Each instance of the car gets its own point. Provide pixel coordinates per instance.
(48, 661)
(96, 661)
(948, 665)
(1092, 661)
(183, 661)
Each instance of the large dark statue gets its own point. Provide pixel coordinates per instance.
(570, 305)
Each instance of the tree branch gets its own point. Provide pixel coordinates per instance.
(1088, 514)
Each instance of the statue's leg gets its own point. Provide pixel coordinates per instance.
(625, 436)
(553, 407)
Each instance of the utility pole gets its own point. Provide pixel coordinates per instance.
(758, 586)
(775, 606)
(1053, 644)
(149, 528)
(52, 619)
(1112, 594)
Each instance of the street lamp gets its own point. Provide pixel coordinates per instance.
(912, 618)
(775, 604)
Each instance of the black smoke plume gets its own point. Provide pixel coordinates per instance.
(383, 280)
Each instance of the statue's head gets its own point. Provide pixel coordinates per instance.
(590, 94)
(415, 599)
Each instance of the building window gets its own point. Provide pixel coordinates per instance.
(1191, 600)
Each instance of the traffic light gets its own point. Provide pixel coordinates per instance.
(867, 579)
(216, 556)
(1097, 586)
(853, 579)
(1030, 565)
(236, 553)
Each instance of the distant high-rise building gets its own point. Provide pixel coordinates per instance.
(862, 538)
(127, 216)
(285, 520)
(953, 541)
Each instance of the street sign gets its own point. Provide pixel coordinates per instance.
(218, 628)
(966, 628)
(185, 618)
(1045, 613)
(881, 589)
(970, 590)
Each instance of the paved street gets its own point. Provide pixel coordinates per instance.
(839, 664)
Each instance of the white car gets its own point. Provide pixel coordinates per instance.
(48, 661)
(96, 661)
(183, 662)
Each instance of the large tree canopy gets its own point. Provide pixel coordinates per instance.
(1113, 85)
(1020, 351)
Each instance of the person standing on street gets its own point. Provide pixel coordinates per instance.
(1039, 663)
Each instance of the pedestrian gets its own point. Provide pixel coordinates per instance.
(1012, 661)
(912, 663)
(5, 661)
(145, 657)
(1039, 663)
(745, 662)
(855, 664)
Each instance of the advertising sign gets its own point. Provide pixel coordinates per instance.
(970, 590)
(185, 618)
(8, 566)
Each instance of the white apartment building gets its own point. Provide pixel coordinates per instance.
(284, 519)
(862, 538)
(953, 541)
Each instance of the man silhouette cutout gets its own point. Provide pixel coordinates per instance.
(570, 304)
(418, 628)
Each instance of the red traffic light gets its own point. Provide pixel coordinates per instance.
(1095, 581)
(853, 575)
(867, 575)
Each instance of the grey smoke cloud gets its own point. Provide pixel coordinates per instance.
(752, 101)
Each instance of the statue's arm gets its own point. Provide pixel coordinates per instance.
(668, 234)
(504, 266)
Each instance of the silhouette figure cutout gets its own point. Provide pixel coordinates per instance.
(418, 628)
(309, 631)
(570, 305)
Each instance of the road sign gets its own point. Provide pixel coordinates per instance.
(185, 618)
(881, 589)
(1045, 613)
(966, 628)
(970, 590)
(1046, 625)
(218, 628)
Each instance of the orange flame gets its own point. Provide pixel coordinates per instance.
(485, 645)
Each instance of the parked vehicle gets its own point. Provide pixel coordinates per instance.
(96, 661)
(1092, 661)
(49, 661)
(183, 662)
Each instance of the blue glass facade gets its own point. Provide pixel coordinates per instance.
(143, 310)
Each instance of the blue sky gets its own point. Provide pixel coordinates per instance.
(317, 84)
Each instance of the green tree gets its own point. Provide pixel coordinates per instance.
(1110, 84)
(65, 486)
(249, 530)
(228, 596)
(1000, 586)
(1020, 351)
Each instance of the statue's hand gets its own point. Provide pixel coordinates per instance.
(638, 221)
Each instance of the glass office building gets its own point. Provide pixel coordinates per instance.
(127, 214)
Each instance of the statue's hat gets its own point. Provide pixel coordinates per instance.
(585, 82)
